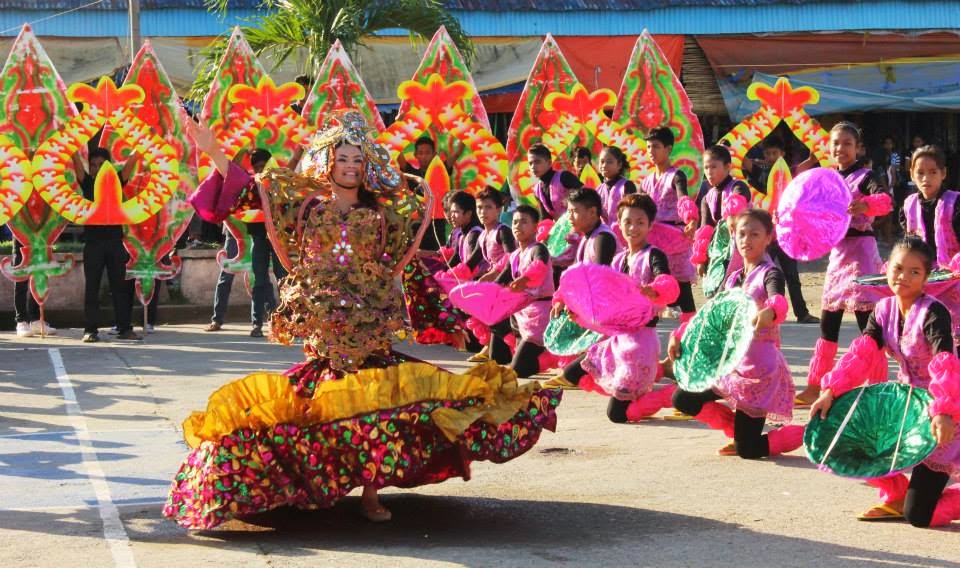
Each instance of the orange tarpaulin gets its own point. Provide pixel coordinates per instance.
(597, 61)
(776, 54)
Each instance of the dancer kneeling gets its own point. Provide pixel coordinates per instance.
(914, 328)
(760, 387)
(354, 413)
(626, 366)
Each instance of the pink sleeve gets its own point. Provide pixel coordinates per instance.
(217, 196)
(878, 204)
(667, 289)
(688, 210)
(954, 265)
(701, 242)
(779, 306)
(945, 385)
(536, 273)
(854, 367)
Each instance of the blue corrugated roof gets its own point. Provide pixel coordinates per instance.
(60, 5)
(698, 20)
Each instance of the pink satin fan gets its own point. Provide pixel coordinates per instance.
(490, 303)
(668, 238)
(604, 300)
(812, 214)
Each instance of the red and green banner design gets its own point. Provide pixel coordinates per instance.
(651, 96)
(338, 86)
(33, 106)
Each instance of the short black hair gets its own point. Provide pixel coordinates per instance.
(761, 216)
(99, 152)
(528, 210)
(850, 128)
(584, 152)
(425, 141)
(662, 134)
(774, 143)
(304, 80)
(491, 194)
(260, 155)
(541, 151)
(917, 245)
(586, 197)
(463, 200)
(638, 201)
(718, 152)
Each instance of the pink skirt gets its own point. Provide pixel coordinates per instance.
(946, 459)
(852, 258)
(532, 321)
(761, 386)
(680, 266)
(625, 365)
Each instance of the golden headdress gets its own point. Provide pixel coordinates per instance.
(349, 127)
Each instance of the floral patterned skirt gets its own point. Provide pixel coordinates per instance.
(263, 443)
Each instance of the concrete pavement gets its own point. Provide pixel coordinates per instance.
(87, 448)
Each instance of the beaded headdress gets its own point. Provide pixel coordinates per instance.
(349, 127)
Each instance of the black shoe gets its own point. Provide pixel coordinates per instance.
(129, 335)
(257, 331)
(91, 337)
(808, 319)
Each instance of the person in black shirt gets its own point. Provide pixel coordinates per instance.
(424, 150)
(103, 250)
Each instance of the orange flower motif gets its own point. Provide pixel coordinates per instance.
(436, 96)
(266, 96)
(579, 103)
(783, 98)
(106, 97)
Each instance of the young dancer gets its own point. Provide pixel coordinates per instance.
(528, 271)
(667, 185)
(613, 168)
(761, 386)
(552, 186)
(626, 366)
(464, 239)
(914, 328)
(341, 419)
(856, 255)
(726, 197)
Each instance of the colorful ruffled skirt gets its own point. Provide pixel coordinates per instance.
(433, 318)
(304, 440)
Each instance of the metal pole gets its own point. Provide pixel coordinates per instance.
(134, 13)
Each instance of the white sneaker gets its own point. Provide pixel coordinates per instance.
(47, 328)
(148, 328)
(24, 329)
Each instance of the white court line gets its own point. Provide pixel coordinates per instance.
(113, 531)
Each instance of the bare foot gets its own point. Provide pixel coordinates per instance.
(373, 510)
(808, 395)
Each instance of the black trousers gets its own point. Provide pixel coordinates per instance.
(830, 323)
(923, 493)
(109, 256)
(685, 299)
(791, 274)
(25, 308)
(748, 434)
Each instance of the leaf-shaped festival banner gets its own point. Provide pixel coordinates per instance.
(53, 161)
(550, 74)
(338, 86)
(651, 96)
(151, 242)
(33, 106)
(780, 103)
(442, 102)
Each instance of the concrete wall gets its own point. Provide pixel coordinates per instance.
(198, 279)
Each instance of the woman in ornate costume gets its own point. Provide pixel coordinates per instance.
(354, 413)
